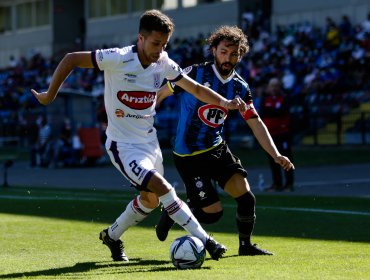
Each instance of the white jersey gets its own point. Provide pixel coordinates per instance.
(130, 92)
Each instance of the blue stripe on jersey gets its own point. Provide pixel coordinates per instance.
(188, 104)
(204, 130)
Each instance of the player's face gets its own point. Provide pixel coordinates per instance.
(151, 46)
(226, 55)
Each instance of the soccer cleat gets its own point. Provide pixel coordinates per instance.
(164, 225)
(215, 249)
(116, 247)
(252, 250)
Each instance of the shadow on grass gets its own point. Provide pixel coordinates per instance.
(104, 208)
(134, 266)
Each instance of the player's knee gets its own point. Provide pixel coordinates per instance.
(149, 200)
(207, 218)
(246, 205)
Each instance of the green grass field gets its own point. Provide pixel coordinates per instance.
(53, 234)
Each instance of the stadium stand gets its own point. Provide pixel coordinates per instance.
(323, 69)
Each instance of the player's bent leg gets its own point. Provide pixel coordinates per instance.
(205, 217)
(181, 214)
(245, 220)
(239, 188)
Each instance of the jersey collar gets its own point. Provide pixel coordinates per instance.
(224, 81)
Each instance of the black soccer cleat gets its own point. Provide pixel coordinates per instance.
(252, 250)
(164, 225)
(116, 247)
(215, 249)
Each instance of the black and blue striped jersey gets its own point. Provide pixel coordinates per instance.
(200, 125)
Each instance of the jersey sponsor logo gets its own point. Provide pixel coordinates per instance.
(137, 100)
(212, 115)
(111, 50)
(207, 84)
(128, 60)
(119, 113)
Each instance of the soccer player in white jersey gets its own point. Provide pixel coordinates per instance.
(132, 77)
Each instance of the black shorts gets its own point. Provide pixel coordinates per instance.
(199, 171)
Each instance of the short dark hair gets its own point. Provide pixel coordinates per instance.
(232, 34)
(154, 20)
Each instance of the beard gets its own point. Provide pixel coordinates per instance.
(225, 71)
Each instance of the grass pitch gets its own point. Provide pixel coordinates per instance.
(53, 234)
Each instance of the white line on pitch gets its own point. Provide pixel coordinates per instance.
(66, 198)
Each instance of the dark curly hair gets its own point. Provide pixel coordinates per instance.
(232, 34)
(154, 20)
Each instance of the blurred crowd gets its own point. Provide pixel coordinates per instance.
(320, 68)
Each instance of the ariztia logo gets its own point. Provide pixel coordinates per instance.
(137, 100)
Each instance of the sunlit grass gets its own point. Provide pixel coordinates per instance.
(52, 234)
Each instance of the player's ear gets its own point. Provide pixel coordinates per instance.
(140, 37)
(214, 51)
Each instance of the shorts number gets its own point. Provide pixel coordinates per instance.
(135, 168)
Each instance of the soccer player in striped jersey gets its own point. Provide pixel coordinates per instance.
(132, 76)
(201, 154)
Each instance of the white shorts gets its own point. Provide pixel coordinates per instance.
(137, 162)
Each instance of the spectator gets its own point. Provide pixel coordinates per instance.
(41, 152)
(275, 114)
(68, 147)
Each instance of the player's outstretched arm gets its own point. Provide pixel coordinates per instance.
(64, 68)
(208, 95)
(263, 136)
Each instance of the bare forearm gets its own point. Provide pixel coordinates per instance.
(63, 70)
(207, 95)
(263, 136)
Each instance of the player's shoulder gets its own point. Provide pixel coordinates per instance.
(240, 80)
(117, 52)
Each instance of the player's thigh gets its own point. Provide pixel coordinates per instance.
(229, 172)
(194, 173)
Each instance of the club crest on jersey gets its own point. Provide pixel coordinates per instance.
(156, 78)
(137, 100)
(212, 115)
(188, 69)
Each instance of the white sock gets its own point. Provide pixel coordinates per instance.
(135, 212)
(181, 214)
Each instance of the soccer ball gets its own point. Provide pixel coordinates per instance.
(187, 252)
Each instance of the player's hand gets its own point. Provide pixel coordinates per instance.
(42, 97)
(284, 162)
(236, 104)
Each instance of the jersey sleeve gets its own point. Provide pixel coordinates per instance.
(189, 71)
(173, 71)
(104, 59)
